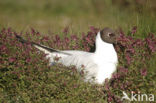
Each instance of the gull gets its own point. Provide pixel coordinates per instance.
(97, 66)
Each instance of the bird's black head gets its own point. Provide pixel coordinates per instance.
(108, 35)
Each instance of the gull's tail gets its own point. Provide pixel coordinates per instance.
(43, 48)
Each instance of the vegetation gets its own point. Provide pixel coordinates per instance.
(51, 16)
(25, 75)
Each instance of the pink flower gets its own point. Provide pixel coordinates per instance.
(3, 48)
(65, 84)
(57, 38)
(75, 47)
(131, 50)
(12, 59)
(123, 70)
(75, 86)
(67, 40)
(33, 31)
(87, 48)
(93, 29)
(116, 75)
(89, 40)
(143, 72)
(128, 58)
(151, 44)
(134, 29)
(28, 60)
(65, 30)
(74, 37)
(106, 84)
(109, 98)
(45, 38)
(138, 42)
(38, 34)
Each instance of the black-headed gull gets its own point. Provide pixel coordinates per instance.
(98, 65)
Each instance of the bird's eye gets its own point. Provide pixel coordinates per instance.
(111, 34)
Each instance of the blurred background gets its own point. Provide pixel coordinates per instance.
(48, 16)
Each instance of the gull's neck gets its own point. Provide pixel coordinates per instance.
(104, 50)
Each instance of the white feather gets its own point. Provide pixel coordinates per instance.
(99, 65)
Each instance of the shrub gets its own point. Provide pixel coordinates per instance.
(26, 77)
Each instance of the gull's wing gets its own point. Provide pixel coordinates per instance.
(41, 47)
(78, 58)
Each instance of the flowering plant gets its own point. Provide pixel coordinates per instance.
(26, 77)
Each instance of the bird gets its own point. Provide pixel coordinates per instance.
(97, 66)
